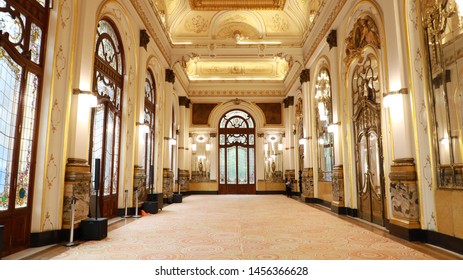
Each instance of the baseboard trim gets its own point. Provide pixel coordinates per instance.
(200, 192)
(271, 192)
(338, 210)
(410, 234)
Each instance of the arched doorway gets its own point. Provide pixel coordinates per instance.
(237, 153)
(368, 144)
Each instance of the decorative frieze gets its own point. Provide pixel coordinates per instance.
(167, 182)
(139, 181)
(184, 181)
(307, 183)
(404, 193)
(338, 186)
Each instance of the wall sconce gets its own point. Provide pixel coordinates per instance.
(332, 128)
(87, 97)
(294, 129)
(301, 141)
(143, 127)
(280, 147)
(208, 147)
(172, 141)
(266, 147)
(193, 147)
(178, 130)
(393, 98)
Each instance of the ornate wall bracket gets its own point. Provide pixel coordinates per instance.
(404, 193)
(77, 182)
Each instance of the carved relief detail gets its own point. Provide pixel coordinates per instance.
(279, 23)
(364, 33)
(197, 24)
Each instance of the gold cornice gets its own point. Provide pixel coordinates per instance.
(245, 93)
(141, 12)
(321, 35)
(220, 5)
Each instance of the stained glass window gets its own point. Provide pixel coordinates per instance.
(108, 83)
(21, 47)
(150, 105)
(236, 149)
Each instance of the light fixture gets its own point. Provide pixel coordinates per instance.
(208, 147)
(87, 97)
(294, 129)
(143, 127)
(393, 98)
(332, 128)
(172, 141)
(193, 147)
(280, 147)
(301, 141)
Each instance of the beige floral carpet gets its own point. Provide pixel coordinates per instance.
(241, 227)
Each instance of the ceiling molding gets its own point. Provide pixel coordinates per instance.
(220, 5)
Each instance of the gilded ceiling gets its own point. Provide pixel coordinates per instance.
(239, 40)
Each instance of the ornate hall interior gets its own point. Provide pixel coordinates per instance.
(168, 110)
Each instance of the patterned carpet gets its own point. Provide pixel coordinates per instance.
(241, 227)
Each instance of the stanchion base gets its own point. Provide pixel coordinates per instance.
(125, 216)
(136, 216)
(70, 244)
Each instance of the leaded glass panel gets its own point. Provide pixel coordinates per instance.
(41, 2)
(35, 43)
(242, 165)
(109, 152)
(116, 155)
(27, 135)
(222, 165)
(97, 146)
(10, 82)
(108, 47)
(251, 165)
(231, 165)
(14, 26)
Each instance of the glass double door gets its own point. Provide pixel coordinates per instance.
(370, 186)
(237, 154)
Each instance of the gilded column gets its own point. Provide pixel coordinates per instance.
(167, 173)
(290, 156)
(307, 171)
(405, 220)
(77, 184)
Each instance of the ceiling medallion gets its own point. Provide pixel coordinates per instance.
(216, 5)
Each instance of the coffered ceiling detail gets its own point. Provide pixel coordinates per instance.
(234, 40)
